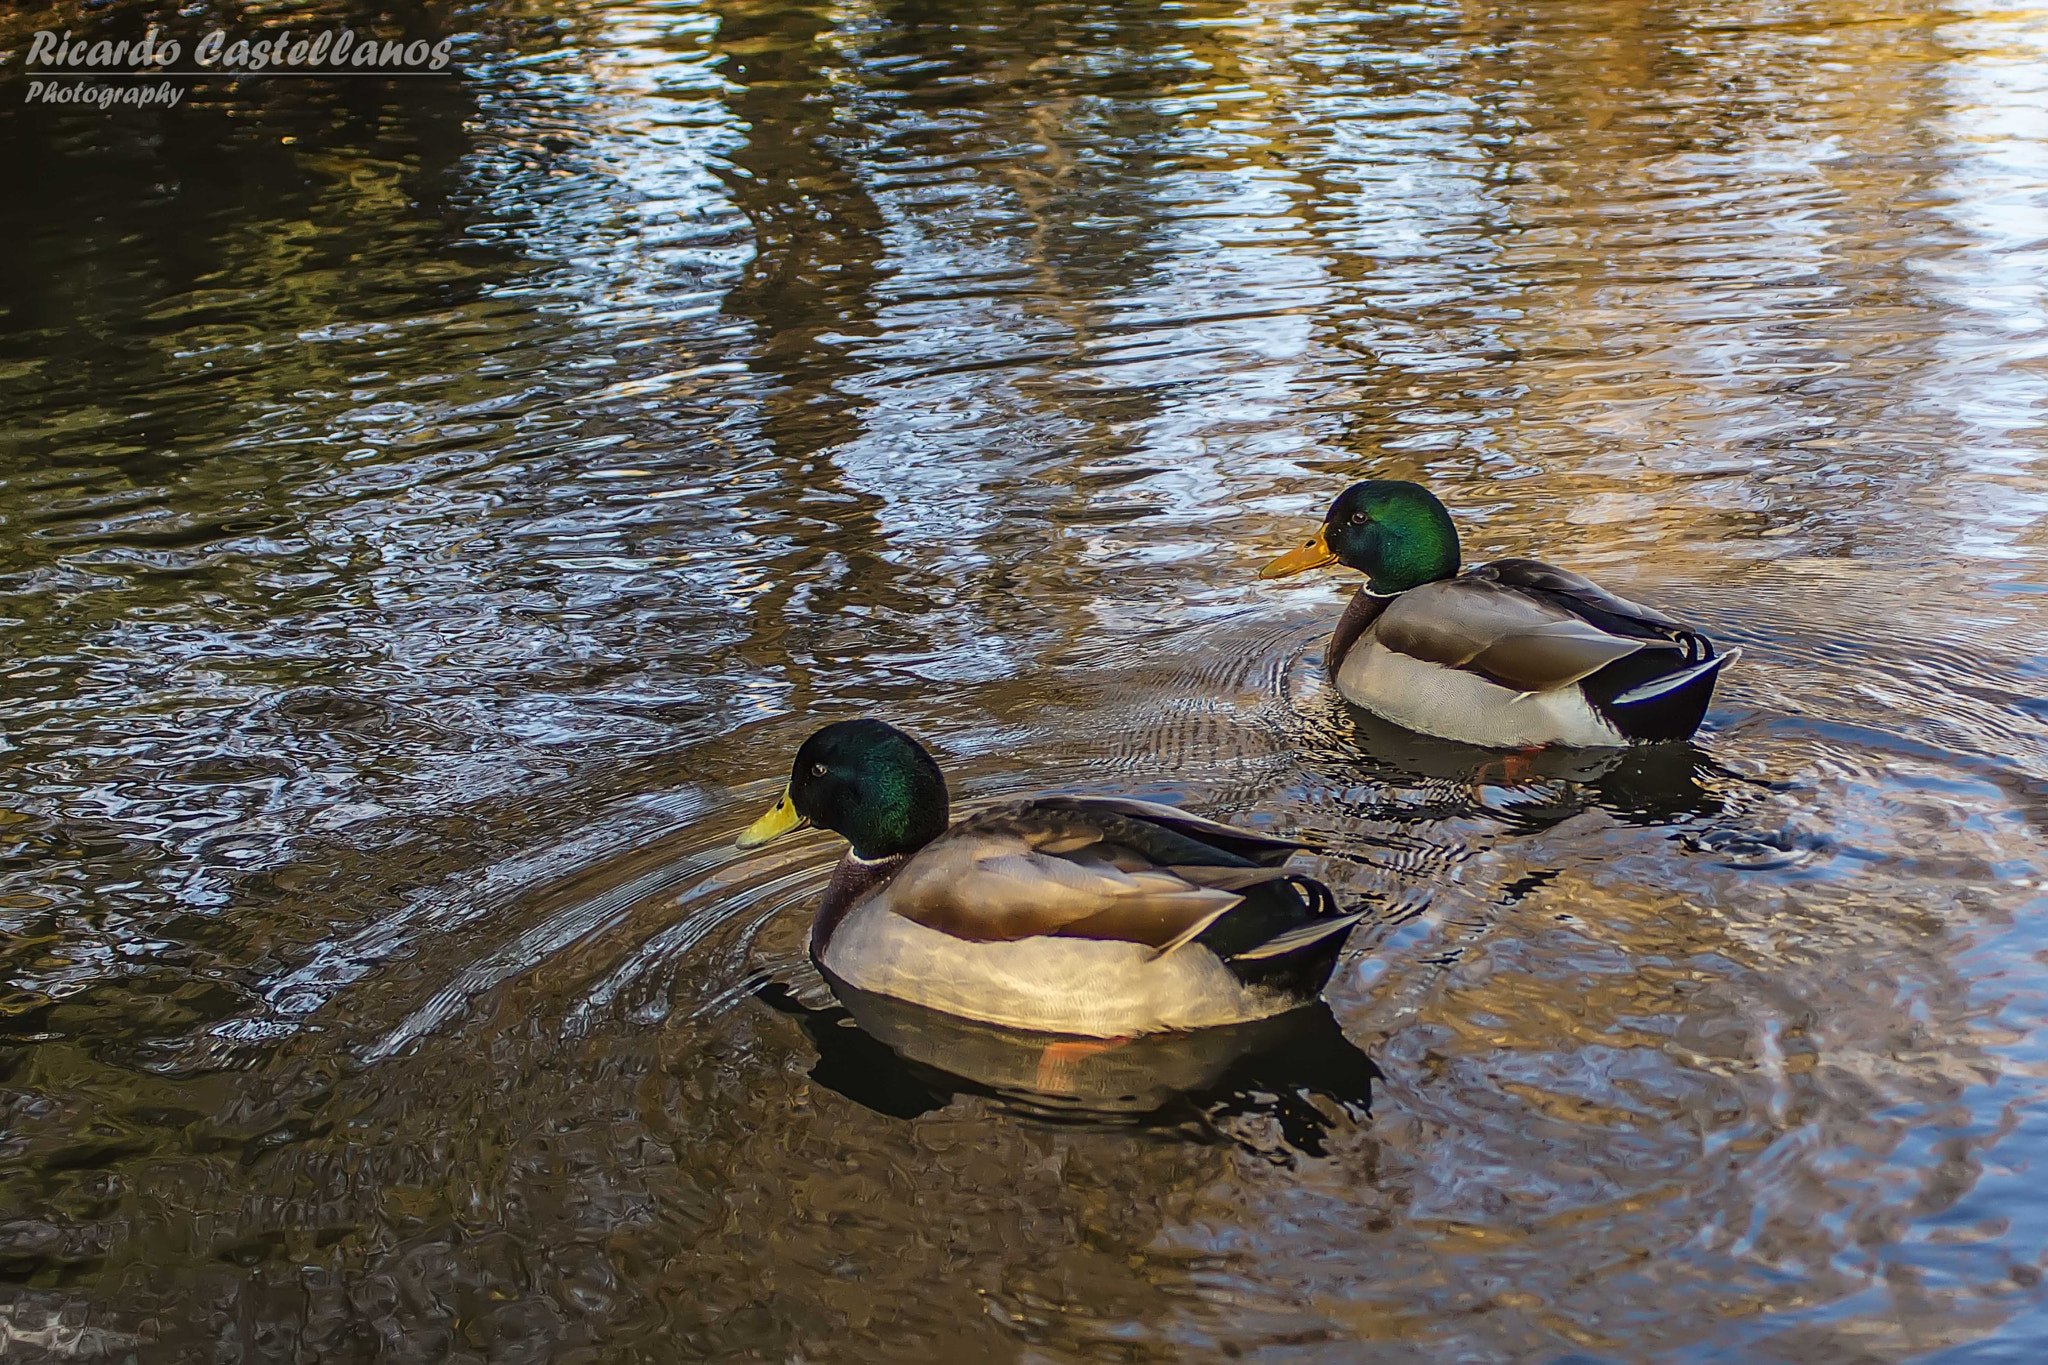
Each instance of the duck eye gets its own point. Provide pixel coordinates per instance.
(819, 770)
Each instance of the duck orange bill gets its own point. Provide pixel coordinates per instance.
(781, 819)
(1313, 555)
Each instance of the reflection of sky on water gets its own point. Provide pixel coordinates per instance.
(1994, 190)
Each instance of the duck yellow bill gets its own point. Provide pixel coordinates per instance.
(1313, 555)
(780, 820)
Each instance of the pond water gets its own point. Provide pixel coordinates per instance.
(434, 510)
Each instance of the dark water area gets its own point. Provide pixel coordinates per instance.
(432, 511)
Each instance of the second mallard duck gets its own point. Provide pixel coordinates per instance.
(1513, 654)
(1081, 915)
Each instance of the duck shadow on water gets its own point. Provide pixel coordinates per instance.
(1296, 1069)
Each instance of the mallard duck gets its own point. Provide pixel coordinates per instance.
(1079, 915)
(1514, 654)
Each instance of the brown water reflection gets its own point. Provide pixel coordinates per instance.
(425, 537)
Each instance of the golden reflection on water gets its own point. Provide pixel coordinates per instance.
(427, 538)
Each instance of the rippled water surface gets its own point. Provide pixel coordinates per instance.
(434, 509)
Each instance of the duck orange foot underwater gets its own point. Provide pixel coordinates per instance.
(1056, 1064)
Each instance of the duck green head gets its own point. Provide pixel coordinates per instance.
(866, 781)
(1397, 534)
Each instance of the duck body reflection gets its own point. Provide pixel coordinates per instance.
(904, 1060)
(1652, 784)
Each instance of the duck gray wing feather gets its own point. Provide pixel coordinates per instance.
(1505, 633)
(1078, 867)
(1167, 833)
(988, 889)
(1595, 605)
